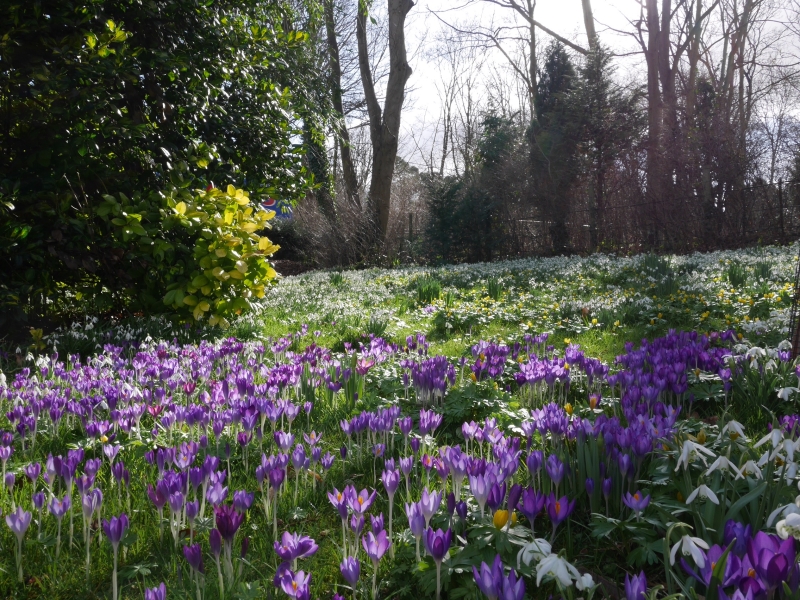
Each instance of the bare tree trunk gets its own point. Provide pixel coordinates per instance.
(384, 125)
(532, 65)
(654, 117)
(588, 21)
(348, 170)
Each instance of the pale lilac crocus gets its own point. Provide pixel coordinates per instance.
(18, 522)
(416, 522)
(429, 504)
(375, 546)
(59, 508)
(391, 481)
(115, 529)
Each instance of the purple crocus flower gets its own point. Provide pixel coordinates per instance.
(351, 570)
(733, 567)
(32, 471)
(635, 587)
(416, 520)
(555, 469)
(295, 585)
(294, 546)
(607, 488)
(636, 502)
(194, 556)
(215, 543)
(391, 480)
(480, 486)
(512, 588)
(558, 509)
(437, 543)
(339, 501)
(742, 534)
(157, 593)
(228, 521)
(513, 496)
(360, 502)
(490, 579)
(357, 524)
(429, 504)
(115, 528)
(59, 508)
(242, 500)
(497, 494)
(18, 522)
(532, 504)
(376, 546)
(773, 559)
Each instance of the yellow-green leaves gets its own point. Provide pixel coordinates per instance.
(205, 244)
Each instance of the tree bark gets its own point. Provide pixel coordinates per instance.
(654, 118)
(588, 22)
(384, 125)
(343, 141)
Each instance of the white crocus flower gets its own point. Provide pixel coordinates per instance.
(537, 550)
(690, 449)
(790, 526)
(690, 546)
(704, 492)
(734, 427)
(724, 464)
(751, 468)
(775, 436)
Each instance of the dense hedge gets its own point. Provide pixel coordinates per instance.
(104, 99)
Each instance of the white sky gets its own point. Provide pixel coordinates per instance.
(565, 17)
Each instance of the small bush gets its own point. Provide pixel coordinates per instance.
(428, 290)
(197, 252)
(494, 289)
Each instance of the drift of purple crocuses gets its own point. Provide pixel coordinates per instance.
(209, 410)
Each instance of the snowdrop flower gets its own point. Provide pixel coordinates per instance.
(557, 568)
(734, 428)
(691, 449)
(584, 582)
(783, 511)
(690, 546)
(785, 393)
(705, 492)
(775, 436)
(724, 464)
(537, 550)
(751, 468)
(790, 526)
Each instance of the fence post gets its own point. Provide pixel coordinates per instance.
(780, 208)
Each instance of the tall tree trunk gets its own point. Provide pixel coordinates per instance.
(532, 65)
(588, 22)
(348, 169)
(654, 119)
(384, 125)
